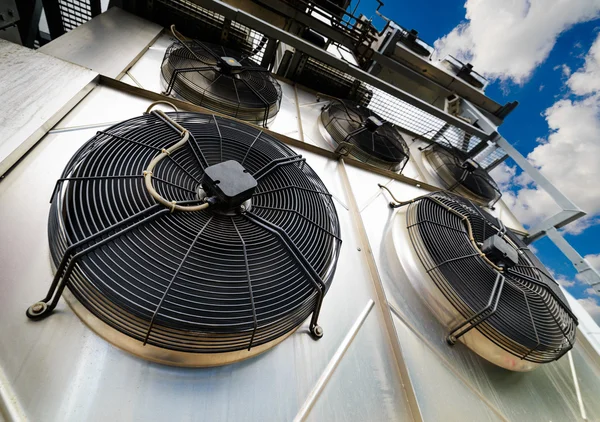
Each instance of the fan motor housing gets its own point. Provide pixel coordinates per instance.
(229, 65)
(230, 183)
(500, 252)
(372, 123)
(471, 165)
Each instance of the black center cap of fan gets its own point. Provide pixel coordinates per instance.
(372, 123)
(500, 252)
(229, 65)
(470, 165)
(230, 183)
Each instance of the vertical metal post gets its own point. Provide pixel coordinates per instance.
(54, 18)
(29, 13)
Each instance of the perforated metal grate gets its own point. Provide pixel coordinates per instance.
(207, 25)
(73, 13)
(430, 127)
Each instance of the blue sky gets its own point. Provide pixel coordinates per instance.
(552, 42)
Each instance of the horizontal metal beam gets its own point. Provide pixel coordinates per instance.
(274, 32)
(570, 212)
(184, 105)
(558, 221)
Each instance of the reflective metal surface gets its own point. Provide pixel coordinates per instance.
(36, 91)
(108, 44)
(59, 369)
(442, 375)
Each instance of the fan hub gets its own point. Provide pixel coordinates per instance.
(229, 65)
(500, 252)
(372, 123)
(230, 182)
(470, 165)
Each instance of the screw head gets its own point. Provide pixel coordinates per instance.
(358, 249)
(37, 307)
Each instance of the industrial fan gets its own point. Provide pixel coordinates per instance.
(191, 239)
(364, 134)
(482, 282)
(220, 79)
(461, 174)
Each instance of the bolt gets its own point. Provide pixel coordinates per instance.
(37, 307)
(242, 208)
(318, 331)
(358, 249)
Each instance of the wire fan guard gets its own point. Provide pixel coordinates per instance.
(376, 142)
(462, 175)
(201, 288)
(519, 314)
(221, 79)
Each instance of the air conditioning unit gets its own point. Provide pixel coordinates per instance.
(464, 71)
(482, 283)
(221, 79)
(395, 36)
(457, 172)
(190, 239)
(360, 132)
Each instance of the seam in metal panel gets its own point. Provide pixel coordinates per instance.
(442, 359)
(577, 390)
(392, 335)
(10, 408)
(333, 363)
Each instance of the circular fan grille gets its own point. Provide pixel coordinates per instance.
(383, 146)
(221, 79)
(531, 320)
(199, 282)
(466, 178)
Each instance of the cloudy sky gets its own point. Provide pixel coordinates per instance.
(546, 55)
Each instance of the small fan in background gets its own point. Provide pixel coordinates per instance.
(221, 79)
(363, 134)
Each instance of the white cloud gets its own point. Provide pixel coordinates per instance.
(592, 307)
(503, 174)
(507, 39)
(564, 281)
(587, 79)
(593, 260)
(569, 156)
(590, 291)
(566, 70)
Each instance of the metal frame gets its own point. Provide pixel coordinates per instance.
(271, 31)
(569, 210)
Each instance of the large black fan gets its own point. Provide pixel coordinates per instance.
(490, 277)
(370, 138)
(221, 79)
(461, 174)
(229, 278)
